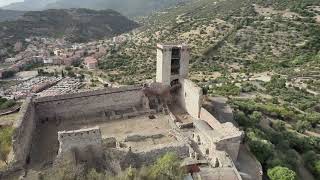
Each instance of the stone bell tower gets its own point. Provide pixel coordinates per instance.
(172, 62)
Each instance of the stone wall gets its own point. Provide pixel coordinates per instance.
(226, 135)
(190, 97)
(88, 104)
(231, 146)
(79, 139)
(164, 55)
(184, 63)
(149, 156)
(23, 131)
(163, 65)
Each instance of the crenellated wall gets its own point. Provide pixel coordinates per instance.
(23, 131)
(122, 102)
(79, 139)
(88, 104)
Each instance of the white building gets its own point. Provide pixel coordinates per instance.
(48, 60)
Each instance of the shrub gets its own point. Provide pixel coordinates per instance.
(260, 147)
(302, 126)
(281, 173)
(7, 104)
(312, 161)
(5, 142)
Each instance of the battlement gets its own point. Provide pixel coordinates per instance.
(169, 46)
(86, 94)
(78, 139)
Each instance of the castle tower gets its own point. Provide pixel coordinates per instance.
(172, 62)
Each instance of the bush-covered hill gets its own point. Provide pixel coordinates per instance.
(126, 7)
(264, 55)
(76, 25)
(253, 34)
(9, 15)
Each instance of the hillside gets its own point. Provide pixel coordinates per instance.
(264, 55)
(242, 32)
(126, 7)
(76, 25)
(10, 15)
(29, 5)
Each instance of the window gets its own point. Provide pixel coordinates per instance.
(175, 61)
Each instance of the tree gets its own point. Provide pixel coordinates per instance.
(301, 126)
(276, 83)
(248, 87)
(312, 161)
(281, 173)
(81, 77)
(167, 167)
(259, 145)
(68, 68)
(8, 74)
(313, 118)
(255, 117)
(7, 104)
(241, 118)
(279, 125)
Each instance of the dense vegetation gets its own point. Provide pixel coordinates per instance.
(233, 42)
(281, 173)
(166, 167)
(222, 34)
(5, 104)
(276, 145)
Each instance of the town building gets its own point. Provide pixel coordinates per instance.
(91, 62)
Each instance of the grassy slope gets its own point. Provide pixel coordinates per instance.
(233, 32)
(227, 31)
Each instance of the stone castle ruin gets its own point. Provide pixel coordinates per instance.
(139, 123)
